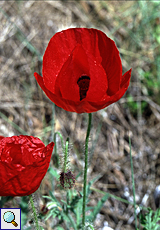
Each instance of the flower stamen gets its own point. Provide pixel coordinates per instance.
(83, 83)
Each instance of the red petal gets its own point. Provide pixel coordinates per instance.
(1, 137)
(123, 88)
(77, 65)
(126, 79)
(56, 54)
(23, 179)
(111, 62)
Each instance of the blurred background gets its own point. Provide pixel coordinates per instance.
(25, 30)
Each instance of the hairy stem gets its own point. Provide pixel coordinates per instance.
(85, 171)
(34, 212)
(66, 156)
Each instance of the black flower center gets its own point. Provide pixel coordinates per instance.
(83, 83)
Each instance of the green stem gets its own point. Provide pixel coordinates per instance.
(66, 155)
(34, 211)
(56, 155)
(72, 221)
(61, 137)
(53, 121)
(133, 184)
(85, 171)
(91, 227)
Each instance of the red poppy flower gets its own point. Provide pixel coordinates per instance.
(1, 137)
(82, 71)
(24, 161)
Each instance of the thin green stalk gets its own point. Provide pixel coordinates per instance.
(34, 212)
(133, 185)
(14, 125)
(78, 215)
(90, 226)
(56, 155)
(118, 198)
(66, 156)
(72, 221)
(53, 121)
(61, 137)
(85, 171)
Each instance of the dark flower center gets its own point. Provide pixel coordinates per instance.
(83, 83)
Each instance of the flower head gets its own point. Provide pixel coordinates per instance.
(24, 161)
(82, 71)
(67, 179)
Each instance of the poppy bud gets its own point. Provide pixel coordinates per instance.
(67, 180)
(24, 161)
(82, 71)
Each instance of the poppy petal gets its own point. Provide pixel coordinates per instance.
(126, 79)
(23, 160)
(78, 65)
(58, 51)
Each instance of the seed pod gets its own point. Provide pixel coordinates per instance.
(67, 180)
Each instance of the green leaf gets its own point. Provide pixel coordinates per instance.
(98, 207)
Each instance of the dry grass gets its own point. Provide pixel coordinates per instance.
(26, 27)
